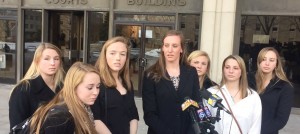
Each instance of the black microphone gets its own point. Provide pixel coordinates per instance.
(213, 100)
(191, 106)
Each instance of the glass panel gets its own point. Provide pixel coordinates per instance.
(149, 18)
(8, 37)
(189, 25)
(97, 34)
(153, 42)
(281, 32)
(132, 33)
(32, 35)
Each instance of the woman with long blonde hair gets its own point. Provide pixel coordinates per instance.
(41, 82)
(275, 90)
(201, 61)
(69, 112)
(115, 110)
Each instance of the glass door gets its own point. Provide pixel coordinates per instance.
(66, 31)
(145, 41)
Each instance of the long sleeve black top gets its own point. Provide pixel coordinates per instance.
(25, 99)
(277, 101)
(115, 110)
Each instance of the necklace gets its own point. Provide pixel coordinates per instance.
(236, 93)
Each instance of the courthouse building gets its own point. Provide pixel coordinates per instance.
(80, 27)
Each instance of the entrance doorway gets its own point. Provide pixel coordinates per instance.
(66, 31)
(145, 40)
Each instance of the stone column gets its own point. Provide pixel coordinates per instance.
(220, 32)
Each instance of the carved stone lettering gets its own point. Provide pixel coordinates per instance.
(63, 1)
(157, 2)
(68, 2)
(130, 2)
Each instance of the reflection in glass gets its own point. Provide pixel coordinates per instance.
(32, 35)
(97, 34)
(189, 25)
(8, 37)
(148, 18)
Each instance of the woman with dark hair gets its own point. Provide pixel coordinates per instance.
(166, 84)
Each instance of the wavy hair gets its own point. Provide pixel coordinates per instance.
(158, 70)
(243, 82)
(67, 96)
(106, 72)
(278, 71)
(196, 54)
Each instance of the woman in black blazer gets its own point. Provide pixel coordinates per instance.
(275, 91)
(165, 85)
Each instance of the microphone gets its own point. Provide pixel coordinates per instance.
(213, 100)
(190, 106)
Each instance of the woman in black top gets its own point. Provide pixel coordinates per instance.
(69, 112)
(40, 84)
(275, 90)
(166, 84)
(115, 110)
(200, 60)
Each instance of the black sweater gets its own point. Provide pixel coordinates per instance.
(277, 101)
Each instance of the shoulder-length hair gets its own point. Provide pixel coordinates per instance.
(158, 70)
(198, 53)
(243, 82)
(34, 71)
(278, 71)
(68, 96)
(106, 72)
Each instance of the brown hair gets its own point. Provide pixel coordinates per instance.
(243, 82)
(278, 71)
(158, 70)
(101, 64)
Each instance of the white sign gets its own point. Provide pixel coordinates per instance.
(148, 34)
(262, 39)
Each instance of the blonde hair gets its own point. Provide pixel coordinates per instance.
(106, 73)
(278, 71)
(243, 82)
(33, 71)
(196, 54)
(158, 70)
(67, 96)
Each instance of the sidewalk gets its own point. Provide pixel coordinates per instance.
(291, 128)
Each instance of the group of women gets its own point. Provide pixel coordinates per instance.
(259, 102)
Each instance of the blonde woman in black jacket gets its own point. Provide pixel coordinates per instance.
(275, 90)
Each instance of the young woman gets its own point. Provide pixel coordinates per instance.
(115, 110)
(200, 60)
(40, 84)
(165, 85)
(69, 112)
(275, 90)
(244, 103)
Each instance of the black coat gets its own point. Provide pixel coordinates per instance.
(162, 103)
(25, 99)
(277, 101)
(59, 121)
(207, 83)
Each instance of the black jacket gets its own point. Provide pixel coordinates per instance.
(277, 101)
(59, 121)
(25, 99)
(162, 103)
(207, 83)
